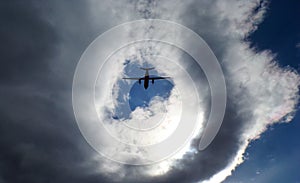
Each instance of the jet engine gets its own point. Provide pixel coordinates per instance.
(140, 81)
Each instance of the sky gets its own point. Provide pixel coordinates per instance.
(255, 42)
(274, 158)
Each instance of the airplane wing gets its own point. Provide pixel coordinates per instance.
(134, 78)
(155, 78)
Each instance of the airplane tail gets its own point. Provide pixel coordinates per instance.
(147, 69)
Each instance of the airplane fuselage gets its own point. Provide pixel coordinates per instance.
(146, 80)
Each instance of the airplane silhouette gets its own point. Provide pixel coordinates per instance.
(146, 78)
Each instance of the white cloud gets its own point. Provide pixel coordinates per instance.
(141, 117)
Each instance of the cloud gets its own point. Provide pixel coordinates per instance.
(260, 92)
(39, 137)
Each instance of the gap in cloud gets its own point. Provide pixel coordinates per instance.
(138, 96)
(141, 97)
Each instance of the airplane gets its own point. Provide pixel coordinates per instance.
(146, 78)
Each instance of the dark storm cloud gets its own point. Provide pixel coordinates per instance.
(27, 42)
(40, 141)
